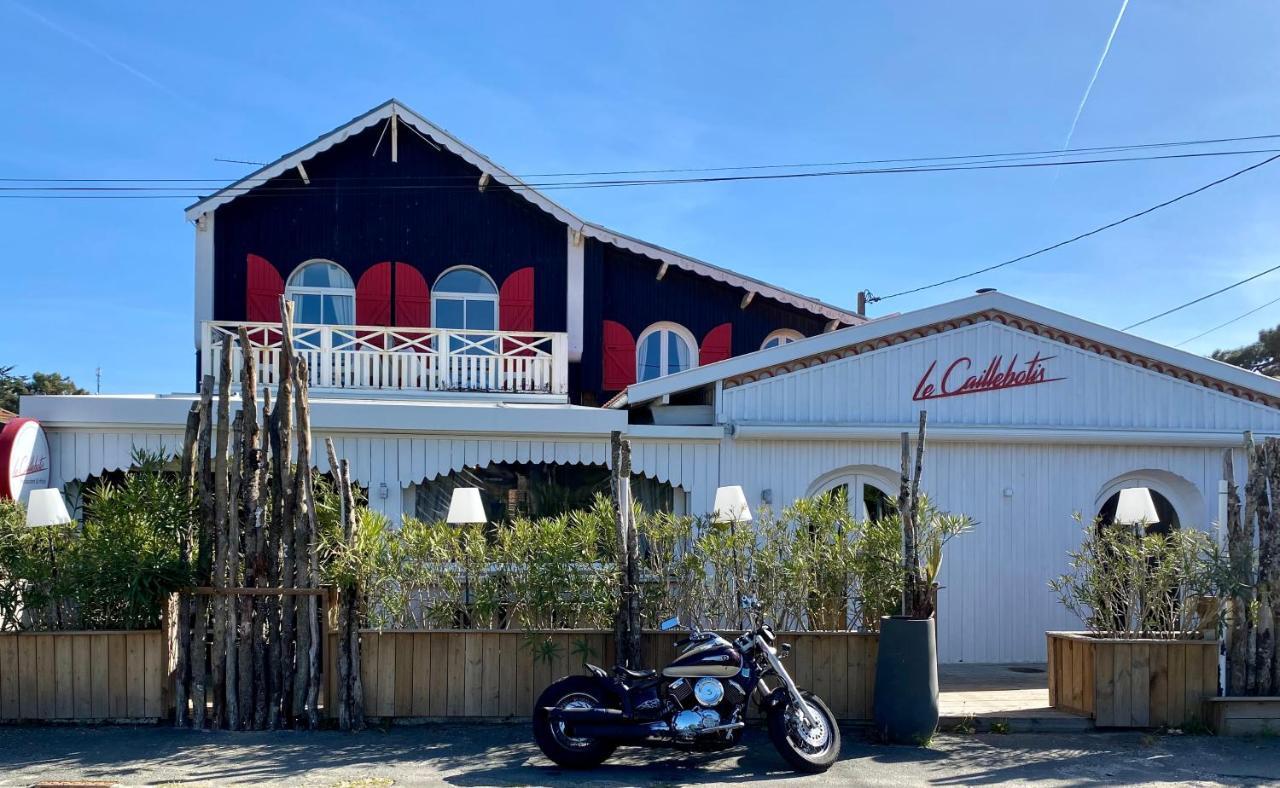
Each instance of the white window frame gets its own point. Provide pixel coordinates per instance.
(783, 335)
(454, 295)
(856, 477)
(290, 289)
(666, 327)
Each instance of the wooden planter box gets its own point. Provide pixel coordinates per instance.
(1243, 716)
(82, 676)
(470, 674)
(1132, 683)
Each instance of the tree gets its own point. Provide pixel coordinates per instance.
(1261, 356)
(14, 386)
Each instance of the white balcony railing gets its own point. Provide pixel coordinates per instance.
(371, 358)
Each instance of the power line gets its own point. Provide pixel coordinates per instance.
(1084, 235)
(1202, 298)
(1006, 155)
(1235, 319)
(103, 192)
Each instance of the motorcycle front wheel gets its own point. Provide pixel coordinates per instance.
(574, 752)
(808, 748)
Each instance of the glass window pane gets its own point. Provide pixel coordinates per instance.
(677, 353)
(465, 280)
(481, 315)
(773, 342)
(339, 310)
(449, 313)
(307, 308)
(650, 357)
(321, 275)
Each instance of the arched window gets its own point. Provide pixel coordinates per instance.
(781, 337)
(868, 490)
(664, 349)
(1178, 502)
(465, 297)
(322, 294)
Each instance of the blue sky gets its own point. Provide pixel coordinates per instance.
(98, 89)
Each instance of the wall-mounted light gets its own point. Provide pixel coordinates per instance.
(383, 492)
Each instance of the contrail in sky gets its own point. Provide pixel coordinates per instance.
(87, 44)
(1097, 70)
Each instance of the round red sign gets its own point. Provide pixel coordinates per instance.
(24, 459)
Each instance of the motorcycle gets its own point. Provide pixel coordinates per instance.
(697, 702)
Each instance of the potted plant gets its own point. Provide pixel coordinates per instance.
(1149, 655)
(906, 689)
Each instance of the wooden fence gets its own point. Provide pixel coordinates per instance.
(52, 676)
(414, 674)
(436, 674)
(1132, 683)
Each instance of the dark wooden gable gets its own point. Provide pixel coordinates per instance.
(361, 210)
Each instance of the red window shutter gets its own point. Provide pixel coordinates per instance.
(515, 302)
(619, 357)
(413, 298)
(373, 296)
(262, 290)
(717, 345)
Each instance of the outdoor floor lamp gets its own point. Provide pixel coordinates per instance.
(466, 508)
(731, 507)
(1136, 507)
(47, 508)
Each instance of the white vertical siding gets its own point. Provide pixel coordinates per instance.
(995, 604)
(1095, 391)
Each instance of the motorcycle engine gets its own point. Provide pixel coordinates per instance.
(691, 721)
(702, 704)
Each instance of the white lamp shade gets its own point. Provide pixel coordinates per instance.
(731, 505)
(465, 506)
(47, 507)
(1136, 506)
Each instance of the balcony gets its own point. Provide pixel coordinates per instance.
(372, 359)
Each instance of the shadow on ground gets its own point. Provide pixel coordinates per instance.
(475, 755)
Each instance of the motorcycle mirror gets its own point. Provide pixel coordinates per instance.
(669, 624)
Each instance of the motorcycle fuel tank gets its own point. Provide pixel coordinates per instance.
(712, 656)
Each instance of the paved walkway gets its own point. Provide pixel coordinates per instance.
(1018, 694)
(479, 755)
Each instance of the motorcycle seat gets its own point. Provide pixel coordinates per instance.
(634, 675)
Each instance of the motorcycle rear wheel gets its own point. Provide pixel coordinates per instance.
(573, 752)
(810, 749)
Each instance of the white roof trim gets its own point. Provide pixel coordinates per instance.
(484, 164)
(762, 359)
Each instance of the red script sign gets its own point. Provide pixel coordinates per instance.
(956, 380)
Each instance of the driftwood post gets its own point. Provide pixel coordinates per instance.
(1262, 674)
(186, 538)
(350, 700)
(246, 532)
(308, 568)
(230, 602)
(915, 596)
(204, 542)
(627, 628)
(1238, 556)
(220, 493)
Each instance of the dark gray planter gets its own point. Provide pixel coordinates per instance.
(906, 699)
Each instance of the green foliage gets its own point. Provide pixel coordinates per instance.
(1261, 356)
(113, 572)
(1126, 583)
(812, 566)
(14, 386)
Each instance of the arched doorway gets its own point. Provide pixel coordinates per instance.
(868, 490)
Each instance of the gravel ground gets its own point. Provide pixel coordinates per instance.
(475, 755)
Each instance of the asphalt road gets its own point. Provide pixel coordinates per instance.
(475, 755)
